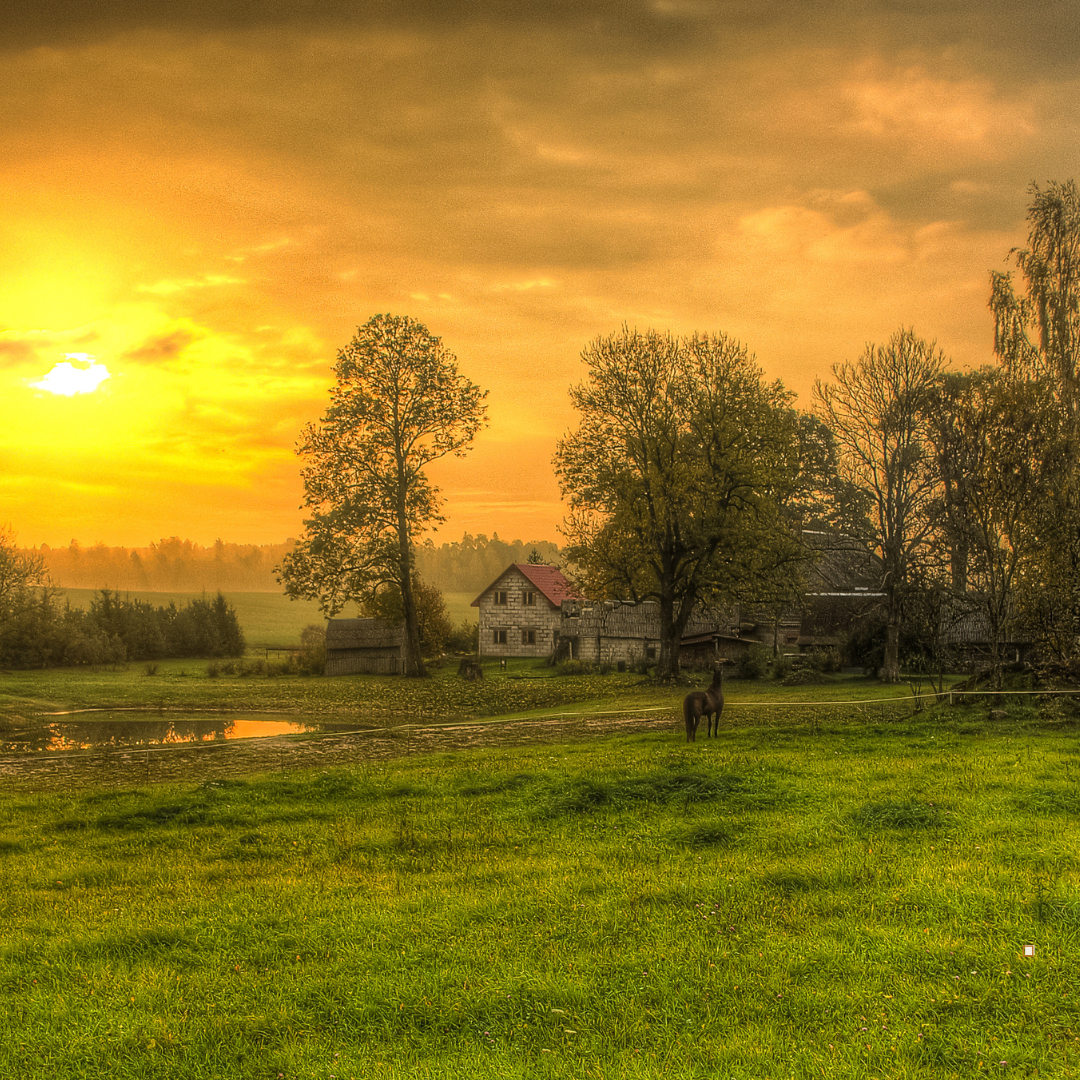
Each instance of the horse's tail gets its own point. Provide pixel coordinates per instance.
(689, 718)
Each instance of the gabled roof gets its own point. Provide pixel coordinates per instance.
(364, 634)
(548, 580)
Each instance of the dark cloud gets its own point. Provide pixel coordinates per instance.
(161, 348)
(14, 352)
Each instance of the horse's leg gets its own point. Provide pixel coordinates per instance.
(689, 716)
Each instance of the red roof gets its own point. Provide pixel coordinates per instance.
(547, 579)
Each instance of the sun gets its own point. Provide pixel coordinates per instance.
(68, 380)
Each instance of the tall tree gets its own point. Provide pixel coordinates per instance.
(878, 409)
(1048, 309)
(676, 474)
(399, 404)
(1037, 337)
(998, 447)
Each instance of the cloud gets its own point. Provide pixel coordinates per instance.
(163, 347)
(67, 379)
(167, 287)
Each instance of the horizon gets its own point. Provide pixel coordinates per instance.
(205, 202)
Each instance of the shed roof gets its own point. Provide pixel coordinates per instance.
(548, 580)
(364, 634)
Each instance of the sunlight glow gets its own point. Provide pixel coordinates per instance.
(67, 379)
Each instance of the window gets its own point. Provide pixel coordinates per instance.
(530, 599)
(501, 598)
(528, 637)
(498, 637)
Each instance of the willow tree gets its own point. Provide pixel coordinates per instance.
(878, 410)
(676, 476)
(399, 404)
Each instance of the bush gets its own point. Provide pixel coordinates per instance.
(755, 664)
(573, 667)
(312, 658)
(824, 660)
(464, 638)
(781, 666)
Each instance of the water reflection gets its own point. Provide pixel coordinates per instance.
(106, 731)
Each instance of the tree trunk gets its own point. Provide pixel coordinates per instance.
(412, 664)
(890, 668)
(667, 668)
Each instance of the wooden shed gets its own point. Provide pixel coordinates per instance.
(364, 647)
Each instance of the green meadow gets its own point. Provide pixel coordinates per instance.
(269, 620)
(819, 892)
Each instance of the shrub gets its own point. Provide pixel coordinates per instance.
(755, 664)
(573, 667)
(781, 666)
(312, 658)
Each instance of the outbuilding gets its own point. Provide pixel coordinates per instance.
(364, 647)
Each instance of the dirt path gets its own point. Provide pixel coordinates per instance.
(120, 768)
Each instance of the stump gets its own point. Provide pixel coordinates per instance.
(470, 669)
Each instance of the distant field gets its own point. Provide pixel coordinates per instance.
(269, 620)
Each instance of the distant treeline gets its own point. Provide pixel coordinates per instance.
(473, 563)
(37, 631)
(171, 565)
(175, 565)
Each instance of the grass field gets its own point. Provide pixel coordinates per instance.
(802, 897)
(524, 688)
(270, 620)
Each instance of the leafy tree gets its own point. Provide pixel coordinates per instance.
(432, 620)
(1037, 338)
(399, 404)
(878, 410)
(676, 475)
(998, 449)
(1050, 302)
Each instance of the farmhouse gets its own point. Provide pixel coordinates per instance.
(364, 647)
(519, 611)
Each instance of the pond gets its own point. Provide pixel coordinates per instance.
(99, 730)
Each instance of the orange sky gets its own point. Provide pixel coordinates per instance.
(205, 202)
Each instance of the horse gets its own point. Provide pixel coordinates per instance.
(708, 703)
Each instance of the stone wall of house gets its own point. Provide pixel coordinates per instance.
(506, 612)
(612, 633)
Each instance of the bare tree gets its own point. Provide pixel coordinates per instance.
(877, 409)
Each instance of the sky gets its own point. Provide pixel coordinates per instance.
(203, 199)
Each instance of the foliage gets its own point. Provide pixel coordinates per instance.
(878, 409)
(36, 632)
(676, 477)
(1037, 338)
(312, 657)
(464, 638)
(754, 664)
(431, 617)
(399, 404)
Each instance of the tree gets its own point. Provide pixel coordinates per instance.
(399, 404)
(878, 410)
(1037, 338)
(1050, 304)
(432, 622)
(998, 449)
(675, 476)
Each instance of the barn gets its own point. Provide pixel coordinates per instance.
(364, 647)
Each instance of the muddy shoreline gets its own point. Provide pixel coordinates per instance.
(205, 761)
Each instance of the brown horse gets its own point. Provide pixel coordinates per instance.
(708, 703)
